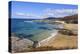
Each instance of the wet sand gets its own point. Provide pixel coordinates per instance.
(63, 41)
(59, 41)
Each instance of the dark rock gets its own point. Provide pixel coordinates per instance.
(35, 44)
(45, 28)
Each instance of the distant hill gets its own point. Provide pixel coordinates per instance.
(50, 18)
(71, 17)
(66, 17)
(53, 18)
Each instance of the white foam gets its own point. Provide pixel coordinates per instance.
(47, 39)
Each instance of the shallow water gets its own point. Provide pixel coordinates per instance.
(32, 30)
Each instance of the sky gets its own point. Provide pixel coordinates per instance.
(31, 10)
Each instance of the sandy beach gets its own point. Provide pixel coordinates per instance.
(47, 39)
(61, 40)
(57, 41)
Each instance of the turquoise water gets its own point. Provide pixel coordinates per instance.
(34, 31)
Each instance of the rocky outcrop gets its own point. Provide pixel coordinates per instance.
(18, 45)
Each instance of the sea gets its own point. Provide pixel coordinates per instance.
(35, 31)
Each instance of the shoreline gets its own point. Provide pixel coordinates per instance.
(63, 40)
(47, 39)
(39, 44)
(56, 40)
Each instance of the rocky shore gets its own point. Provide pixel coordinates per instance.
(62, 40)
(19, 45)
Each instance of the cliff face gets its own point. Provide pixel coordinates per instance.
(71, 19)
(68, 19)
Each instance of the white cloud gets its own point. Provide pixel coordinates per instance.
(25, 14)
(19, 13)
(49, 13)
(29, 15)
(60, 12)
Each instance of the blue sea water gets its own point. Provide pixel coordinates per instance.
(35, 31)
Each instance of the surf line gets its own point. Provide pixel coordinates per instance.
(47, 39)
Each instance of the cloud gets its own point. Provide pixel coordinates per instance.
(25, 14)
(48, 13)
(19, 13)
(60, 12)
